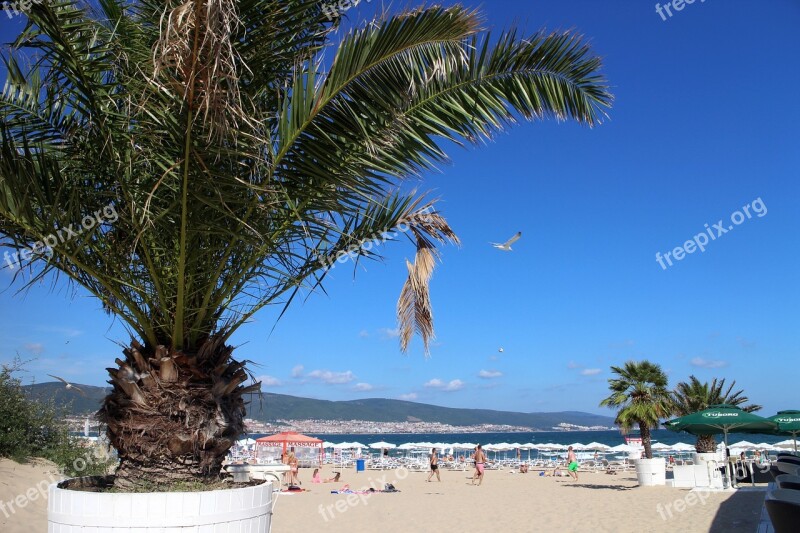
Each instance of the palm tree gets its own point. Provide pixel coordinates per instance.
(229, 152)
(640, 393)
(694, 395)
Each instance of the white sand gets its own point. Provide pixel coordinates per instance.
(23, 495)
(511, 502)
(505, 502)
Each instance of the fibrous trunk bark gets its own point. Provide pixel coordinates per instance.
(644, 430)
(172, 416)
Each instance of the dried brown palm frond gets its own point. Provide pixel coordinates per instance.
(414, 310)
(195, 58)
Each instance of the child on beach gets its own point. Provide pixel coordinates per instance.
(315, 478)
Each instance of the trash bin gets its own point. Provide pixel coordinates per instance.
(360, 465)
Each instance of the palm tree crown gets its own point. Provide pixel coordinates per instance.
(241, 150)
(640, 393)
(693, 396)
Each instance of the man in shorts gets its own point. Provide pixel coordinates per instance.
(572, 469)
(434, 465)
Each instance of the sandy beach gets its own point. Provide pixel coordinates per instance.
(508, 501)
(511, 502)
(23, 495)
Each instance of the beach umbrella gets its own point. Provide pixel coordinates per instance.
(744, 445)
(380, 445)
(765, 446)
(407, 446)
(660, 446)
(623, 448)
(721, 419)
(597, 446)
(788, 424)
(578, 446)
(683, 447)
(787, 444)
(327, 444)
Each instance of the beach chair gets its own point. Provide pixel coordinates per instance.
(788, 481)
(780, 467)
(783, 507)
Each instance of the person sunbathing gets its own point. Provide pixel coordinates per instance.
(334, 479)
(523, 469)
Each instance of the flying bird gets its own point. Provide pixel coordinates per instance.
(69, 385)
(500, 350)
(506, 246)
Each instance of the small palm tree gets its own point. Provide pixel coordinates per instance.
(238, 150)
(693, 396)
(640, 393)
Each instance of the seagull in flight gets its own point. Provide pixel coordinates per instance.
(69, 385)
(506, 246)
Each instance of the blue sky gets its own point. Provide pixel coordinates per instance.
(702, 126)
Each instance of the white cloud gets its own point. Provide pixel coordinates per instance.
(708, 363)
(573, 365)
(387, 333)
(269, 381)
(489, 374)
(590, 371)
(36, 348)
(298, 371)
(363, 387)
(363, 334)
(450, 386)
(408, 397)
(332, 378)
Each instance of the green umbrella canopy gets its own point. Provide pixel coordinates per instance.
(788, 424)
(721, 419)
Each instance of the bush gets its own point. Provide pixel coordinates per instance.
(34, 429)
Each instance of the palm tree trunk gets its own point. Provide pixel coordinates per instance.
(644, 431)
(172, 416)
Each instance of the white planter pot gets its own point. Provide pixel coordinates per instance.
(651, 472)
(219, 511)
(705, 457)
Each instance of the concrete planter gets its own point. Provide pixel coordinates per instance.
(651, 472)
(237, 510)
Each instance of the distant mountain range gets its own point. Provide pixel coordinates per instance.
(269, 407)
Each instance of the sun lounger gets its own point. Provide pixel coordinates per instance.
(783, 507)
(781, 467)
(788, 481)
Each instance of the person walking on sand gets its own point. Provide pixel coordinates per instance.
(480, 463)
(572, 461)
(434, 465)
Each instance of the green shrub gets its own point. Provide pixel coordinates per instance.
(35, 429)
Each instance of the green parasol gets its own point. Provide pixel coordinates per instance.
(722, 419)
(788, 424)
